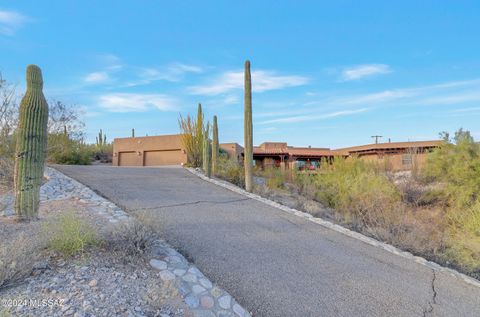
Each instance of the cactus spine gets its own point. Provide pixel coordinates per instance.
(31, 146)
(215, 145)
(207, 158)
(248, 130)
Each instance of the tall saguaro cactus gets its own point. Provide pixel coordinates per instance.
(31, 146)
(248, 130)
(101, 138)
(207, 158)
(199, 137)
(133, 133)
(215, 145)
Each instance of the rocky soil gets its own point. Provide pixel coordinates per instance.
(114, 278)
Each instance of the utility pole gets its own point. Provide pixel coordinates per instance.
(376, 137)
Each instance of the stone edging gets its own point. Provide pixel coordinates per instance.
(202, 297)
(353, 234)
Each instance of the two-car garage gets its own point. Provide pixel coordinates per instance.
(149, 151)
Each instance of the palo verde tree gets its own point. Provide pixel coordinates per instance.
(31, 146)
(248, 130)
(192, 131)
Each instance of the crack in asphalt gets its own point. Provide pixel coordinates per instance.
(429, 310)
(193, 203)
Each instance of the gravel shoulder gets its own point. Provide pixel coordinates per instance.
(131, 272)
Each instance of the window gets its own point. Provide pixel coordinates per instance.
(407, 159)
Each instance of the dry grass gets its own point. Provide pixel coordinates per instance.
(18, 256)
(135, 236)
(69, 234)
(26, 243)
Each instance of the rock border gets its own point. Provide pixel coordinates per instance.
(204, 298)
(353, 234)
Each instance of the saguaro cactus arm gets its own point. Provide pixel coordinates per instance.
(31, 146)
(248, 130)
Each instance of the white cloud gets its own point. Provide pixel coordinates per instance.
(10, 21)
(173, 73)
(97, 77)
(362, 71)
(261, 81)
(184, 68)
(131, 102)
(312, 117)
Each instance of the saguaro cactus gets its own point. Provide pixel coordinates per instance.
(199, 137)
(207, 158)
(133, 133)
(31, 146)
(101, 138)
(248, 130)
(215, 145)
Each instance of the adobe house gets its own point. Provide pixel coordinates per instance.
(168, 150)
(234, 150)
(149, 151)
(397, 156)
(280, 154)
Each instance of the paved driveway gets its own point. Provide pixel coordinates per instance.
(274, 263)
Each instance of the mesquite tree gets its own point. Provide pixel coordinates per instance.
(248, 130)
(31, 146)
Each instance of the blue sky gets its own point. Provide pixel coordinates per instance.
(325, 73)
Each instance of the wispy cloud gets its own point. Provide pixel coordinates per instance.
(262, 80)
(10, 21)
(97, 77)
(173, 73)
(131, 102)
(362, 71)
(303, 118)
(464, 94)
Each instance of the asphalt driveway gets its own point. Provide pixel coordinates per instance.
(274, 263)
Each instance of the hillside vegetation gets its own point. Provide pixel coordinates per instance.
(433, 212)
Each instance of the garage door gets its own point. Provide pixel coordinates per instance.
(127, 159)
(169, 157)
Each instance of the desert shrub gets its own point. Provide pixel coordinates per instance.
(69, 234)
(356, 187)
(453, 171)
(64, 150)
(456, 166)
(8, 122)
(274, 177)
(361, 195)
(17, 258)
(101, 152)
(134, 236)
(231, 171)
(7, 161)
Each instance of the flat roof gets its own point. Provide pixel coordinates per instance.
(391, 145)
